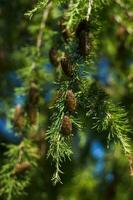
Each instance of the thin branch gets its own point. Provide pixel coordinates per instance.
(41, 31)
(42, 26)
(90, 3)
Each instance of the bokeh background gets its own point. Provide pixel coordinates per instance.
(95, 171)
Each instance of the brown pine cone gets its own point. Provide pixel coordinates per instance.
(53, 56)
(34, 93)
(66, 128)
(32, 114)
(19, 119)
(22, 167)
(84, 44)
(82, 26)
(71, 101)
(82, 33)
(67, 66)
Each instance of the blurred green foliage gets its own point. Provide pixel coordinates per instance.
(104, 111)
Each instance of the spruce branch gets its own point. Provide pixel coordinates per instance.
(12, 185)
(33, 75)
(76, 10)
(108, 117)
(116, 120)
(59, 146)
(42, 4)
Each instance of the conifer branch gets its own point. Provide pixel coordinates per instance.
(108, 117)
(22, 157)
(12, 184)
(40, 5)
(59, 146)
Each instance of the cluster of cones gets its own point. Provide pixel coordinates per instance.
(71, 104)
(29, 110)
(82, 38)
(24, 115)
(71, 101)
(68, 69)
(82, 35)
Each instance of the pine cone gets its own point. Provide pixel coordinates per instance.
(82, 26)
(84, 44)
(71, 101)
(22, 167)
(66, 128)
(19, 119)
(32, 113)
(33, 93)
(67, 66)
(53, 56)
(82, 33)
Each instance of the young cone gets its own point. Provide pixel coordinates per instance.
(66, 128)
(82, 26)
(19, 117)
(67, 66)
(71, 101)
(22, 167)
(82, 33)
(32, 114)
(84, 45)
(33, 93)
